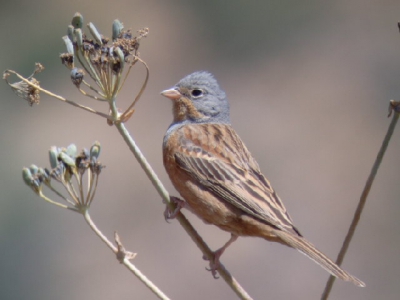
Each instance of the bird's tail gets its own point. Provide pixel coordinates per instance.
(308, 249)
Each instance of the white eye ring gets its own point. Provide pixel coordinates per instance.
(196, 93)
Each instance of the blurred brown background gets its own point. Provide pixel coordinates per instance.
(309, 84)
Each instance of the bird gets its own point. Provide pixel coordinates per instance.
(218, 178)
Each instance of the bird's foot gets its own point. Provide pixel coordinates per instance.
(171, 214)
(215, 263)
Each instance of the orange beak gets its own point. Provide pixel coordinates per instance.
(171, 94)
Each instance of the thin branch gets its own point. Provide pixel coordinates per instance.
(93, 89)
(41, 195)
(59, 194)
(83, 92)
(71, 191)
(81, 193)
(361, 203)
(127, 74)
(59, 97)
(125, 261)
(127, 111)
(94, 189)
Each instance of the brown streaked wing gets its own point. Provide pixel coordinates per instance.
(215, 156)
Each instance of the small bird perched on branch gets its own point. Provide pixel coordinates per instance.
(217, 177)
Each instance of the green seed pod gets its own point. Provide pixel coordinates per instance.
(77, 20)
(95, 151)
(95, 33)
(27, 177)
(72, 150)
(53, 154)
(66, 159)
(68, 44)
(117, 27)
(78, 36)
(34, 169)
(70, 33)
(120, 55)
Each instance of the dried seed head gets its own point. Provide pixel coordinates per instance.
(96, 167)
(67, 59)
(88, 49)
(38, 68)
(82, 161)
(28, 88)
(26, 91)
(77, 76)
(104, 61)
(394, 106)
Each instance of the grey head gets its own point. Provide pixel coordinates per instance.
(197, 98)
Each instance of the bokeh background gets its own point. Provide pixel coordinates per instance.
(309, 84)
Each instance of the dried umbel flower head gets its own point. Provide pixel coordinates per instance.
(27, 88)
(67, 168)
(394, 106)
(106, 61)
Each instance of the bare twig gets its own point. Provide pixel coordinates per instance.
(124, 260)
(363, 198)
(57, 96)
(125, 116)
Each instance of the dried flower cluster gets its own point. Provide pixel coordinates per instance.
(394, 106)
(108, 63)
(26, 89)
(67, 168)
(104, 61)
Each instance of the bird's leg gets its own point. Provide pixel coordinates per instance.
(171, 214)
(214, 262)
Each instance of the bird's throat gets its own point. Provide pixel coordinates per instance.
(184, 109)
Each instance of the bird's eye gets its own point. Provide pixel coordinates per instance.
(196, 93)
